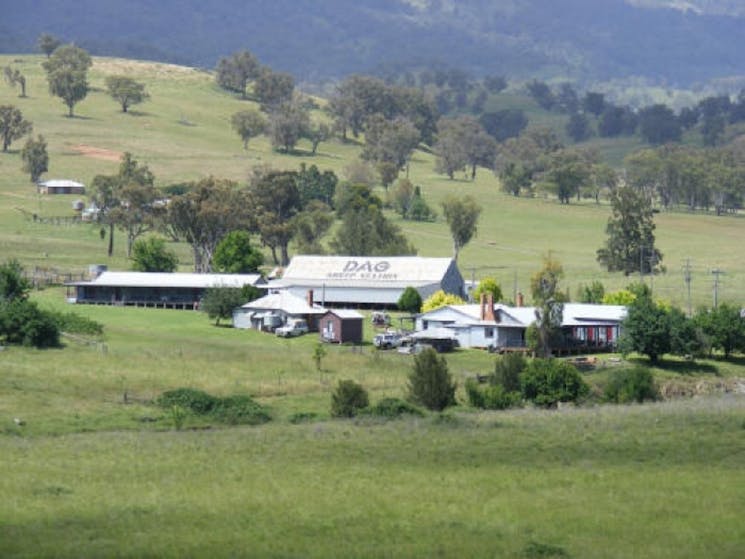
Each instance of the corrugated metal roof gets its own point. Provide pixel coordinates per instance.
(346, 313)
(157, 279)
(286, 302)
(574, 314)
(366, 270)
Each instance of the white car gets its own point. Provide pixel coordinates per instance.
(296, 327)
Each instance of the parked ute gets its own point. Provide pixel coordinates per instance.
(387, 340)
(293, 328)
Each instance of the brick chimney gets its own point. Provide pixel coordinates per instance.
(520, 300)
(309, 298)
(482, 305)
(489, 308)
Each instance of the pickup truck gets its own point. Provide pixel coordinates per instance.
(292, 328)
(387, 340)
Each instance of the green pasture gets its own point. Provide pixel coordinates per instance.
(97, 470)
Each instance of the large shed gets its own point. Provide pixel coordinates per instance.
(153, 289)
(368, 281)
(341, 326)
(60, 186)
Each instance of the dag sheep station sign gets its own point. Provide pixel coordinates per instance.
(364, 269)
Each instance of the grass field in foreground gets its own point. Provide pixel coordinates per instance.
(652, 481)
(92, 475)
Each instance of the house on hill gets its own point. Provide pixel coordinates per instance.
(501, 327)
(149, 289)
(60, 186)
(369, 281)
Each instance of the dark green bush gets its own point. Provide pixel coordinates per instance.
(24, 323)
(393, 408)
(491, 397)
(196, 401)
(546, 382)
(348, 399)
(507, 369)
(430, 383)
(76, 324)
(234, 410)
(240, 410)
(631, 385)
(303, 417)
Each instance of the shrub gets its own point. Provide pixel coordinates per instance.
(240, 410)
(493, 397)
(410, 300)
(191, 399)
(303, 417)
(430, 383)
(23, 323)
(507, 369)
(348, 399)
(234, 410)
(393, 408)
(549, 381)
(76, 324)
(631, 385)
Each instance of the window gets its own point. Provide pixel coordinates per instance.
(488, 332)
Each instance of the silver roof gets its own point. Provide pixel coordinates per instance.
(365, 270)
(176, 279)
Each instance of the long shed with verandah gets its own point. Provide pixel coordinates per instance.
(60, 186)
(154, 289)
(369, 281)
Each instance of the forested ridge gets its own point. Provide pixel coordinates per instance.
(575, 39)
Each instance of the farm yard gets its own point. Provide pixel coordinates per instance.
(93, 466)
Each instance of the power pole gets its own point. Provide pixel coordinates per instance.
(687, 279)
(716, 272)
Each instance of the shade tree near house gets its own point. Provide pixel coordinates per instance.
(549, 304)
(152, 255)
(208, 211)
(67, 74)
(235, 254)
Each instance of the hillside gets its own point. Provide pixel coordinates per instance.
(183, 134)
(585, 40)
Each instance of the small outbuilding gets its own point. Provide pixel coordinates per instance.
(275, 309)
(341, 326)
(61, 186)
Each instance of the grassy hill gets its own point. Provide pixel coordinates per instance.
(183, 133)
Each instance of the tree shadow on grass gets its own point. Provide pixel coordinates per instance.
(691, 367)
(138, 113)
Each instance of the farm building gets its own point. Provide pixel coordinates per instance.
(341, 326)
(369, 282)
(498, 326)
(60, 186)
(165, 290)
(275, 309)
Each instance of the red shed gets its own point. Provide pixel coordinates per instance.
(340, 326)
